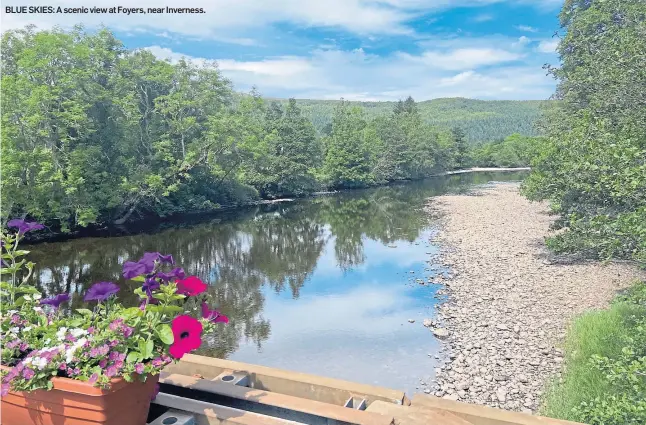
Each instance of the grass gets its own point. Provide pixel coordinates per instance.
(598, 332)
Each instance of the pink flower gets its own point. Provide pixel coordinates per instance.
(116, 324)
(15, 319)
(63, 366)
(111, 371)
(93, 378)
(157, 362)
(114, 343)
(119, 364)
(113, 356)
(90, 330)
(121, 357)
(128, 331)
(27, 373)
(70, 371)
(191, 286)
(139, 368)
(5, 389)
(187, 335)
(24, 346)
(94, 352)
(103, 363)
(77, 371)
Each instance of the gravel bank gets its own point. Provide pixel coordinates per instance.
(509, 305)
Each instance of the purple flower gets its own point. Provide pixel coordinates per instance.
(150, 285)
(94, 352)
(111, 371)
(128, 331)
(132, 269)
(15, 319)
(119, 364)
(176, 273)
(139, 368)
(113, 356)
(27, 373)
(114, 343)
(55, 301)
(90, 330)
(13, 344)
(24, 346)
(5, 390)
(166, 259)
(116, 324)
(121, 357)
(24, 226)
(101, 291)
(77, 371)
(93, 378)
(157, 362)
(70, 371)
(104, 349)
(103, 363)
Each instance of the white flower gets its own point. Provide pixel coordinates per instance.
(39, 362)
(27, 297)
(12, 312)
(60, 334)
(69, 354)
(36, 297)
(48, 340)
(38, 309)
(27, 329)
(78, 332)
(28, 360)
(14, 330)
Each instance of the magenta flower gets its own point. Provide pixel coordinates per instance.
(27, 373)
(128, 331)
(24, 226)
(191, 286)
(213, 316)
(101, 291)
(187, 333)
(56, 301)
(139, 368)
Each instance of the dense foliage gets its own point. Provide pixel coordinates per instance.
(41, 341)
(481, 120)
(96, 134)
(513, 151)
(593, 166)
(605, 383)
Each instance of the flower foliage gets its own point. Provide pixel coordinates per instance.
(41, 339)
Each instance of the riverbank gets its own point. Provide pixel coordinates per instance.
(509, 303)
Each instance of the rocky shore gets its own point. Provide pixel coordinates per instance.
(509, 302)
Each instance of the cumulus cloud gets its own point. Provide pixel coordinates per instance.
(461, 71)
(526, 28)
(548, 46)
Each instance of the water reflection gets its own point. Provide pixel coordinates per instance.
(314, 285)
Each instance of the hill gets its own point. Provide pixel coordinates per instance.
(481, 120)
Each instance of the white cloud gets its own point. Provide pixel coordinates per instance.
(522, 41)
(548, 46)
(526, 28)
(452, 69)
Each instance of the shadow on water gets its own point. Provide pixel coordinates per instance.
(296, 279)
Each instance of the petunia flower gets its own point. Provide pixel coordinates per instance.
(111, 371)
(191, 286)
(93, 378)
(101, 291)
(166, 259)
(213, 316)
(27, 373)
(24, 226)
(55, 301)
(176, 273)
(187, 335)
(139, 368)
(133, 269)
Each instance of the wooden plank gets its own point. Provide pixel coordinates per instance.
(409, 415)
(213, 414)
(328, 390)
(484, 415)
(297, 404)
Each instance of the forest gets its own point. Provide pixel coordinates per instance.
(96, 134)
(592, 170)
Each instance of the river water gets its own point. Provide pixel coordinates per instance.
(325, 285)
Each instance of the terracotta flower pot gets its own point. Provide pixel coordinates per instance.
(73, 402)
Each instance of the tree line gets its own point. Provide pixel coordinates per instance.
(96, 134)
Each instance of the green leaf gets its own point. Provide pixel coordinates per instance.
(133, 357)
(21, 252)
(169, 309)
(84, 312)
(131, 312)
(149, 346)
(26, 289)
(165, 333)
(138, 279)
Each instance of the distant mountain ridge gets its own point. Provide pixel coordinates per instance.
(481, 120)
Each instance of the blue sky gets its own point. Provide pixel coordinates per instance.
(356, 49)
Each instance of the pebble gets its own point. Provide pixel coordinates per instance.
(506, 306)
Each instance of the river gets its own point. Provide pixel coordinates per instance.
(325, 285)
